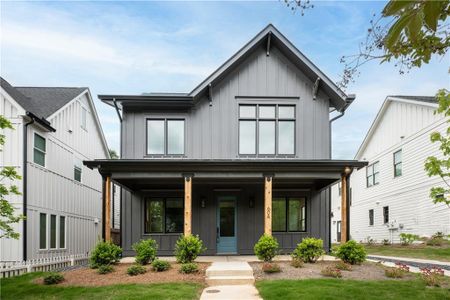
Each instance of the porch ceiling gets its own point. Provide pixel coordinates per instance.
(138, 174)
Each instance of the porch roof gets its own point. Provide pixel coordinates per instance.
(137, 173)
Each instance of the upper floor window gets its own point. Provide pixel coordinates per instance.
(266, 129)
(77, 169)
(372, 174)
(165, 136)
(398, 163)
(39, 150)
(84, 118)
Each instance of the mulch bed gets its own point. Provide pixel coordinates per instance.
(90, 277)
(365, 271)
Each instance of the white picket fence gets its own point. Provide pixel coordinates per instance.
(10, 269)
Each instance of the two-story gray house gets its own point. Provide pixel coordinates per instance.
(246, 152)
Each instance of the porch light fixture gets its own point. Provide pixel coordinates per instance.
(251, 202)
(203, 202)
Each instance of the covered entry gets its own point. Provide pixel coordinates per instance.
(228, 203)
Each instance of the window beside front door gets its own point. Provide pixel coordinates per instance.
(266, 129)
(165, 137)
(288, 214)
(164, 215)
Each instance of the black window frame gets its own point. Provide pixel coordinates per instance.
(398, 163)
(385, 214)
(166, 140)
(371, 217)
(164, 200)
(372, 175)
(286, 199)
(276, 119)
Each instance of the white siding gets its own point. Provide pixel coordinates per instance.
(53, 190)
(410, 208)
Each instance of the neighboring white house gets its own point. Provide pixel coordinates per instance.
(63, 198)
(391, 195)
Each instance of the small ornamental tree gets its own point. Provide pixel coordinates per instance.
(8, 174)
(266, 248)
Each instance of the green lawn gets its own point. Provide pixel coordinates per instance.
(348, 289)
(22, 287)
(415, 251)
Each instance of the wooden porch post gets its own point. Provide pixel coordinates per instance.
(344, 205)
(107, 209)
(268, 205)
(187, 205)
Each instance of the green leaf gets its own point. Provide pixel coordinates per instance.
(395, 6)
(432, 11)
(414, 26)
(394, 32)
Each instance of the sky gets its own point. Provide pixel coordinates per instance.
(142, 46)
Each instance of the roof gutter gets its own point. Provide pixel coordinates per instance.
(41, 121)
(117, 109)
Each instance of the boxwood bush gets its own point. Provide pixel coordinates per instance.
(188, 248)
(189, 268)
(136, 270)
(309, 250)
(160, 265)
(53, 278)
(145, 251)
(351, 252)
(266, 248)
(105, 253)
(105, 269)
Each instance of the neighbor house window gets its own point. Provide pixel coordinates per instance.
(84, 118)
(398, 163)
(39, 150)
(77, 168)
(42, 231)
(386, 214)
(165, 136)
(62, 232)
(52, 231)
(266, 129)
(288, 214)
(164, 215)
(372, 174)
(370, 217)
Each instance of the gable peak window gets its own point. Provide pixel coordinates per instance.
(266, 129)
(84, 118)
(398, 163)
(39, 150)
(372, 174)
(165, 136)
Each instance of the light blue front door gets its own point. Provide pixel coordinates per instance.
(226, 224)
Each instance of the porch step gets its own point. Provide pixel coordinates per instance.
(229, 273)
(229, 280)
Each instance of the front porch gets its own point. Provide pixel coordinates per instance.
(228, 203)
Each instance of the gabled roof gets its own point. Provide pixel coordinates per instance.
(41, 101)
(429, 101)
(270, 36)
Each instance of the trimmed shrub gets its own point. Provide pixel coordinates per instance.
(105, 269)
(266, 248)
(53, 278)
(435, 241)
(297, 263)
(351, 252)
(386, 242)
(408, 238)
(160, 265)
(331, 271)
(145, 251)
(270, 268)
(340, 265)
(105, 253)
(189, 268)
(309, 250)
(188, 248)
(136, 270)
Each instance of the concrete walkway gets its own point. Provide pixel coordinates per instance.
(414, 264)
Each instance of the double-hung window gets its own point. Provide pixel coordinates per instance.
(164, 215)
(165, 136)
(398, 163)
(372, 174)
(39, 150)
(288, 214)
(266, 129)
(84, 118)
(77, 169)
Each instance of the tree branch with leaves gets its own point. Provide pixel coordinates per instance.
(7, 177)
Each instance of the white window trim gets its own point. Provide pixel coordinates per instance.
(34, 148)
(65, 232)
(46, 232)
(50, 232)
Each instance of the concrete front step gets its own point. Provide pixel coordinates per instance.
(229, 280)
(229, 272)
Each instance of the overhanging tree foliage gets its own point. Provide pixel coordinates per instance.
(7, 175)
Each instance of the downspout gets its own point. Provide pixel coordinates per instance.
(24, 183)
